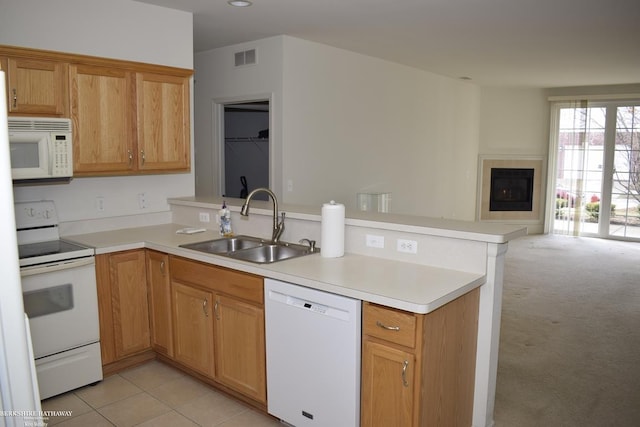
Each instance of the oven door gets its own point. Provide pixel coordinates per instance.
(61, 301)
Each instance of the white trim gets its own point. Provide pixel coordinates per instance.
(217, 131)
(594, 97)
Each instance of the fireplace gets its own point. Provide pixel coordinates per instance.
(511, 189)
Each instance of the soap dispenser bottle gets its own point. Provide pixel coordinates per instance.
(225, 220)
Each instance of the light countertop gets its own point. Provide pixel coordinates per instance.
(406, 286)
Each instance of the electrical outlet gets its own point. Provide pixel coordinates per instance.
(100, 204)
(374, 241)
(204, 217)
(142, 200)
(290, 185)
(408, 246)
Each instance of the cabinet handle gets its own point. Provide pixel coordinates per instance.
(215, 310)
(388, 328)
(130, 157)
(204, 307)
(144, 158)
(162, 268)
(15, 98)
(405, 365)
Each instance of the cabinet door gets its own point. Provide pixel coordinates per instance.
(129, 303)
(102, 110)
(36, 87)
(159, 288)
(193, 328)
(240, 347)
(387, 386)
(163, 122)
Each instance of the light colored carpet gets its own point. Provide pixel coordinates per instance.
(570, 337)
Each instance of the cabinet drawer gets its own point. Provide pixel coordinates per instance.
(389, 324)
(242, 285)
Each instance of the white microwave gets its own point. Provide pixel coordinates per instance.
(40, 148)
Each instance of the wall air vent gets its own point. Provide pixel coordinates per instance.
(246, 57)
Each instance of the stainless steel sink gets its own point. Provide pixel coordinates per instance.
(252, 249)
(269, 253)
(225, 244)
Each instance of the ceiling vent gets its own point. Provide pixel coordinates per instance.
(246, 57)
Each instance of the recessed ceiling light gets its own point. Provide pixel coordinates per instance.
(240, 3)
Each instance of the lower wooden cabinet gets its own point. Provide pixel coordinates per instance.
(159, 293)
(218, 324)
(388, 385)
(419, 370)
(122, 305)
(193, 328)
(240, 346)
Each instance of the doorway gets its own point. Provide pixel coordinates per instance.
(244, 147)
(596, 178)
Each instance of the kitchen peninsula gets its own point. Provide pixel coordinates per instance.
(454, 258)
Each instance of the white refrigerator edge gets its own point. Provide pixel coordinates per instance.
(19, 396)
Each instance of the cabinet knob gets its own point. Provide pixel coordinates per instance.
(130, 157)
(144, 158)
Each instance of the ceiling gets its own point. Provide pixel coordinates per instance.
(530, 43)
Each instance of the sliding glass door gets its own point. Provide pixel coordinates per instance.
(596, 162)
(625, 186)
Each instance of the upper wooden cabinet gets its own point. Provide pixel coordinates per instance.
(128, 122)
(163, 122)
(36, 86)
(128, 117)
(103, 128)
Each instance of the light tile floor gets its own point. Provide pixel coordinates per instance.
(150, 395)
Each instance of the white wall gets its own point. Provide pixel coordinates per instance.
(356, 123)
(218, 79)
(121, 29)
(345, 123)
(514, 121)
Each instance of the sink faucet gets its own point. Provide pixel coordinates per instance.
(278, 226)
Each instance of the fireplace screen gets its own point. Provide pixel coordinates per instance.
(511, 189)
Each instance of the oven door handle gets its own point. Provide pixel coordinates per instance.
(56, 266)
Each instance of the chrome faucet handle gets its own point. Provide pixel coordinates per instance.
(312, 244)
(279, 229)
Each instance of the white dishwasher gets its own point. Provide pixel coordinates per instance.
(313, 356)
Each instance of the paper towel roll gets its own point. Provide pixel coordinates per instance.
(332, 235)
